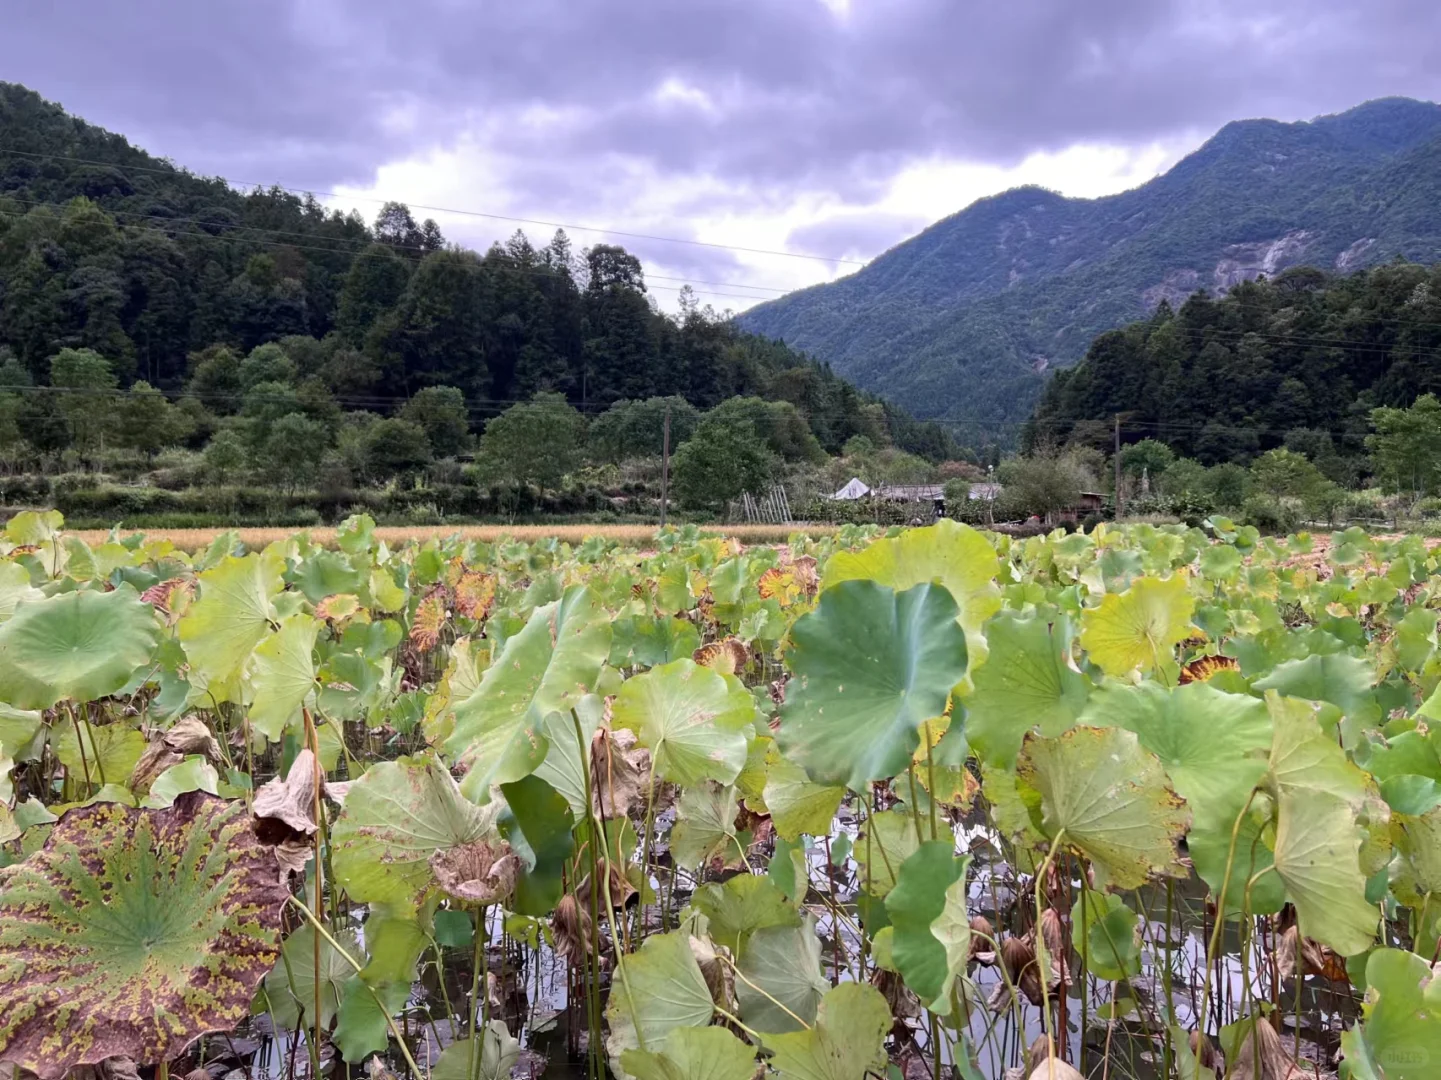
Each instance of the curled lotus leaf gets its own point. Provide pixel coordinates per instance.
(133, 932)
(481, 872)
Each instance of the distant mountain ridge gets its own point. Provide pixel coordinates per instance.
(964, 320)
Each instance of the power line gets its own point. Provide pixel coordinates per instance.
(238, 185)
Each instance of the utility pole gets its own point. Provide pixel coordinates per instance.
(1117, 460)
(664, 465)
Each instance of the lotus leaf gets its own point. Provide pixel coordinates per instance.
(781, 984)
(1139, 627)
(1029, 682)
(870, 666)
(1344, 681)
(690, 718)
(547, 667)
(948, 553)
(76, 646)
(711, 1053)
(133, 932)
(1112, 800)
(1400, 1035)
(499, 1052)
(396, 818)
(796, 804)
(106, 754)
(537, 824)
(284, 674)
(290, 988)
(1104, 931)
(15, 589)
(931, 935)
(1319, 796)
(705, 825)
(658, 989)
(886, 841)
(234, 611)
(741, 906)
(846, 1042)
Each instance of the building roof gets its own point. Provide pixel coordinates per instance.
(911, 492)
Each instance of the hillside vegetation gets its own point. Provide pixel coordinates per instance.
(144, 308)
(966, 319)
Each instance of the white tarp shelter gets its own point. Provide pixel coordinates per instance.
(853, 490)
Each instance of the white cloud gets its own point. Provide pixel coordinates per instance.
(632, 196)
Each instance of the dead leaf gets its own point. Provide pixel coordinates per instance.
(285, 809)
(571, 927)
(478, 873)
(719, 975)
(622, 773)
(167, 748)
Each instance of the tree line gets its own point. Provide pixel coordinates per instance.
(214, 310)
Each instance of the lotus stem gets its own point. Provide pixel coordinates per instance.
(1041, 947)
(389, 1020)
(1215, 944)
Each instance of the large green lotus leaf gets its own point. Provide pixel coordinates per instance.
(931, 934)
(284, 674)
(566, 759)
(133, 932)
(109, 752)
(234, 611)
(291, 985)
(1209, 843)
(658, 989)
(1399, 1037)
(1103, 930)
(1140, 627)
(1344, 681)
(547, 667)
(15, 588)
(869, 667)
(396, 817)
(1213, 745)
(77, 646)
(705, 825)
(1029, 682)
(710, 1053)
(1319, 795)
(498, 1052)
(782, 984)
(1418, 870)
(847, 1041)
(886, 841)
(326, 573)
(744, 904)
(690, 718)
(538, 824)
(650, 641)
(798, 805)
(949, 553)
(1112, 798)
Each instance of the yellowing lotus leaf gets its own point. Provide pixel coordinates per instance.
(1138, 628)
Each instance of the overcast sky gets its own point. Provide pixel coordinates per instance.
(830, 128)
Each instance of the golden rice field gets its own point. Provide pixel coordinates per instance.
(638, 535)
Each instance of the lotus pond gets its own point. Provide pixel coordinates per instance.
(1147, 802)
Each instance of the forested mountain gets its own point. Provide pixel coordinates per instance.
(966, 319)
(173, 278)
(1300, 360)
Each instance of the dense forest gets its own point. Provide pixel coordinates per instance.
(225, 302)
(1299, 360)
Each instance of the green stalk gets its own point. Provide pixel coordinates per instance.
(477, 973)
(1215, 945)
(1041, 943)
(389, 1020)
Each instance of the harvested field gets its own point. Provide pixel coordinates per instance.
(636, 535)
